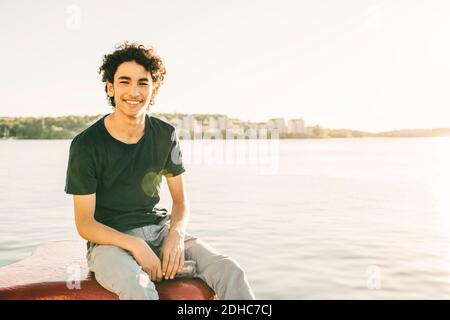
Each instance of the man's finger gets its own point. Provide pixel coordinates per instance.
(175, 265)
(165, 262)
(148, 272)
(181, 262)
(152, 275)
(159, 273)
(172, 258)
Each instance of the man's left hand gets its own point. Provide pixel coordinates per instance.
(172, 254)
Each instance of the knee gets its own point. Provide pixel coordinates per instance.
(117, 271)
(139, 287)
(232, 269)
(226, 268)
(129, 285)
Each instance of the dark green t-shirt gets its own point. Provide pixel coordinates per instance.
(125, 177)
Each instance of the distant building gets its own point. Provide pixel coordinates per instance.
(176, 121)
(309, 131)
(222, 123)
(213, 123)
(277, 123)
(261, 125)
(188, 123)
(235, 125)
(252, 125)
(296, 126)
(197, 126)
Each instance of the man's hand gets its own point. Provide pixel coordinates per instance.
(147, 259)
(172, 254)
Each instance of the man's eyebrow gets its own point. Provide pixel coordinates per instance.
(128, 78)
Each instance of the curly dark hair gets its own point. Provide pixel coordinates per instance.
(126, 51)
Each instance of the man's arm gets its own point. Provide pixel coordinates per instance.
(180, 207)
(98, 233)
(172, 253)
(91, 230)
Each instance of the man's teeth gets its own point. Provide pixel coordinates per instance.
(132, 102)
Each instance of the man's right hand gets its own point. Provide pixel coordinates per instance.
(147, 259)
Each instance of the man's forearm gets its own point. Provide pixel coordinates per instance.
(179, 217)
(99, 233)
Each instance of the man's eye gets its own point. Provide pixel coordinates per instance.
(123, 82)
(144, 84)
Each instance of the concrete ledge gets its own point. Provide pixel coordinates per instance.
(46, 276)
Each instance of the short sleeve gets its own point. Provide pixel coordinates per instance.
(81, 175)
(174, 163)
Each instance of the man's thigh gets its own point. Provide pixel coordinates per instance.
(116, 270)
(108, 257)
(198, 250)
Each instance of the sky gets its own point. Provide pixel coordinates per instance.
(362, 64)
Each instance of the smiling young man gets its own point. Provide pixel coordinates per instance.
(114, 171)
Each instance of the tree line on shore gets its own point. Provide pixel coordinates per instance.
(64, 127)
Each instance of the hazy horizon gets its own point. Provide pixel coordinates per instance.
(361, 65)
(286, 121)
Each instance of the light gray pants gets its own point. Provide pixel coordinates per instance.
(117, 271)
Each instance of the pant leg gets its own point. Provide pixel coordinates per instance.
(117, 271)
(222, 273)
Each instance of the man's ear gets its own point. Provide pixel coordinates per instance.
(110, 89)
(152, 99)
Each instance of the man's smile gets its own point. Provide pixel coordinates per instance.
(133, 102)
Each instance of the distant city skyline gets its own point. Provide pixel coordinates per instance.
(363, 65)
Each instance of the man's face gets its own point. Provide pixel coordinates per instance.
(132, 89)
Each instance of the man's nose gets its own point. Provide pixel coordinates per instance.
(134, 91)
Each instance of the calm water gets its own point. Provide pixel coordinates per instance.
(325, 219)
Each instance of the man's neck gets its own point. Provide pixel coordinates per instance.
(125, 128)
